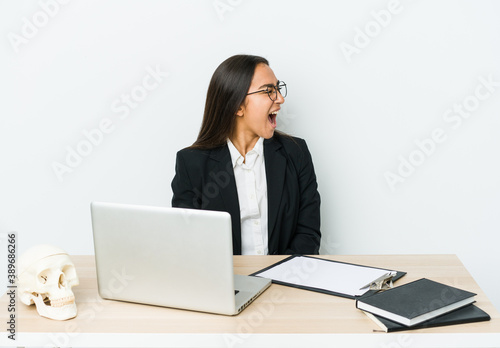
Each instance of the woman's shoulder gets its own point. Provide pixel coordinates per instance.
(197, 154)
(292, 145)
(193, 151)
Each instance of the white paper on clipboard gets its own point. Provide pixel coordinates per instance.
(317, 273)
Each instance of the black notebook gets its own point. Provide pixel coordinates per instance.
(416, 302)
(467, 314)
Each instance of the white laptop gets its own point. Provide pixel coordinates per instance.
(172, 257)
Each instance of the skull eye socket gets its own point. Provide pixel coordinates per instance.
(69, 272)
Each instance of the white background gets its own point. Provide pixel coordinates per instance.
(63, 68)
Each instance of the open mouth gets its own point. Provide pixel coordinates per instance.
(272, 118)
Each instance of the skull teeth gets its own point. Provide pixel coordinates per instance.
(62, 301)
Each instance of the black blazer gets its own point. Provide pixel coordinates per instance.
(204, 179)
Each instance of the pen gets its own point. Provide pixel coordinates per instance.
(382, 277)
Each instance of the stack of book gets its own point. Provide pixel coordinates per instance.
(420, 304)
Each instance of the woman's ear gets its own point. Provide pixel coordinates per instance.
(241, 111)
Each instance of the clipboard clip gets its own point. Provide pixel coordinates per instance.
(383, 282)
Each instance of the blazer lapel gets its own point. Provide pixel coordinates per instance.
(222, 173)
(275, 173)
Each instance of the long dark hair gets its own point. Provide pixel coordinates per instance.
(226, 92)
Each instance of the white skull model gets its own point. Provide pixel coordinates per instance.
(46, 276)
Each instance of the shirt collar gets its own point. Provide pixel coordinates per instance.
(259, 146)
(237, 157)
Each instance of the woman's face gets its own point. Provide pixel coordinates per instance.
(257, 115)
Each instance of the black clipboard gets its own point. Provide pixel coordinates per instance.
(398, 275)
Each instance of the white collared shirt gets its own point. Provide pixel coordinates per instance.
(251, 185)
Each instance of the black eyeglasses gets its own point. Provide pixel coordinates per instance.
(272, 91)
